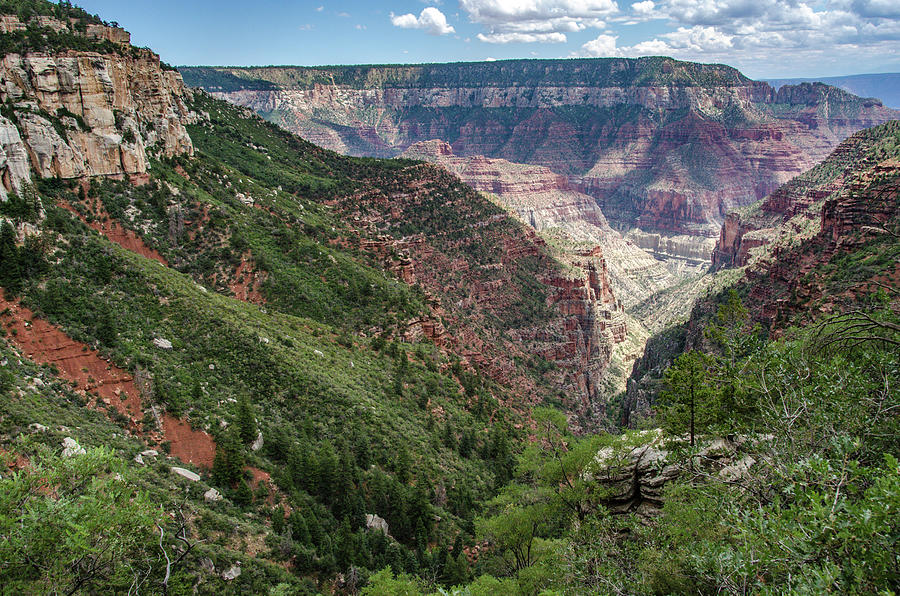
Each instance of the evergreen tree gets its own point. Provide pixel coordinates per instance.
(228, 465)
(10, 272)
(688, 402)
(299, 528)
(245, 419)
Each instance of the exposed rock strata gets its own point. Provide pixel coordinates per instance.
(793, 211)
(667, 146)
(76, 114)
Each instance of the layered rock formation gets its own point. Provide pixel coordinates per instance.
(570, 220)
(666, 146)
(72, 114)
(792, 212)
(535, 194)
(821, 245)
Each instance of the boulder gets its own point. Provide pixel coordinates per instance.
(71, 448)
(212, 496)
(162, 344)
(258, 443)
(375, 523)
(192, 476)
(37, 428)
(231, 573)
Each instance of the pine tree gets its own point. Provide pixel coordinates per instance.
(10, 271)
(245, 419)
(228, 465)
(688, 403)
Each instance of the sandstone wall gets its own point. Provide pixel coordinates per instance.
(672, 159)
(77, 114)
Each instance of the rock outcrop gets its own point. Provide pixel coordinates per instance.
(794, 211)
(670, 147)
(73, 114)
(631, 478)
(535, 194)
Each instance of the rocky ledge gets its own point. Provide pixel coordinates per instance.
(74, 114)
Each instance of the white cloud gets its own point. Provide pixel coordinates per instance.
(644, 9)
(602, 47)
(887, 9)
(773, 36)
(699, 39)
(305, 27)
(431, 20)
(320, 8)
(502, 11)
(522, 37)
(536, 21)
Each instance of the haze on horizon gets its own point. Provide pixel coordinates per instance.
(763, 38)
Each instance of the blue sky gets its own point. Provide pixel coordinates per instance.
(764, 38)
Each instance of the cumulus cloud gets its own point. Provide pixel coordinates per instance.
(643, 9)
(536, 21)
(430, 19)
(773, 34)
(602, 47)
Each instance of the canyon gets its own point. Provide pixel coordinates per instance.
(666, 148)
(644, 160)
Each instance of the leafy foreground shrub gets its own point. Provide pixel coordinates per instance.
(815, 510)
(74, 525)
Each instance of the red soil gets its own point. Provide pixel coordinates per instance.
(246, 283)
(100, 379)
(187, 444)
(114, 231)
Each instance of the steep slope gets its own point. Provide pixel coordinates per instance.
(580, 236)
(335, 337)
(68, 114)
(793, 211)
(823, 245)
(665, 146)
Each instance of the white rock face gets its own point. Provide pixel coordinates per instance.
(258, 443)
(192, 476)
(99, 100)
(14, 162)
(376, 523)
(36, 427)
(162, 344)
(212, 496)
(71, 448)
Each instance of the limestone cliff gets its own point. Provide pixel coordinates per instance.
(666, 146)
(535, 194)
(71, 113)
